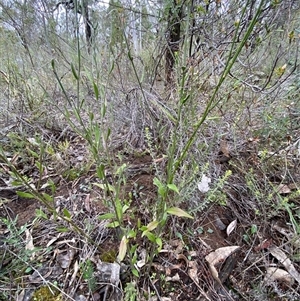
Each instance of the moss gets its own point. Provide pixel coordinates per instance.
(109, 256)
(45, 294)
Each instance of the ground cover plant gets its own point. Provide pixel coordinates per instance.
(149, 151)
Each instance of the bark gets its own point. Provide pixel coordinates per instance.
(173, 38)
(84, 11)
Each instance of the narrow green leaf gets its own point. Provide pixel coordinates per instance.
(97, 139)
(74, 72)
(131, 234)
(149, 235)
(157, 182)
(77, 115)
(173, 187)
(47, 197)
(119, 208)
(162, 191)
(106, 216)
(133, 249)
(81, 103)
(143, 228)
(52, 64)
(179, 235)
(62, 229)
(96, 90)
(16, 183)
(39, 166)
(108, 133)
(125, 207)
(183, 101)
(26, 195)
(67, 214)
(28, 270)
(114, 224)
(159, 243)
(151, 226)
(161, 188)
(100, 171)
(105, 186)
(178, 212)
(112, 67)
(135, 273)
(121, 169)
(41, 213)
(103, 110)
(33, 153)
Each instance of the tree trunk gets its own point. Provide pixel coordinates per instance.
(87, 25)
(173, 38)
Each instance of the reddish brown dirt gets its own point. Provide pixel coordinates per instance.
(209, 231)
(22, 209)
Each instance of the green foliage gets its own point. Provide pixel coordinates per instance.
(130, 292)
(215, 194)
(88, 274)
(13, 252)
(243, 86)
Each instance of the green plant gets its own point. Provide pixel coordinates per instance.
(33, 192)
(215, 194)
(250, 233)
(130, 291)
(285, 203)
(238, 81)
(88, 274)
(13, 240)
(97, 139)
(15, 256)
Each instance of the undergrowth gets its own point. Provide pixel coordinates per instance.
(221, 142)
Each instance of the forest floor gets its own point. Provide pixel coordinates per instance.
(242, 243)
(251, 223)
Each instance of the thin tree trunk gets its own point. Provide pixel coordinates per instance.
(88, 26)
(173, 38)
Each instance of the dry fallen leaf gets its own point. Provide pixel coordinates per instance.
(224, 148)
(231, 227)
(193, 271)
(76, 268)
(122, 248)
(275, 274)
(290, 235)
(20, 297)
(29, 243)
(65, 260)
(265, 244)
(174, 278)
(54, 239)
(285, 261)
(283, 189)
(217, 257)
(143, 255)
(203, 185)
(87, 203)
